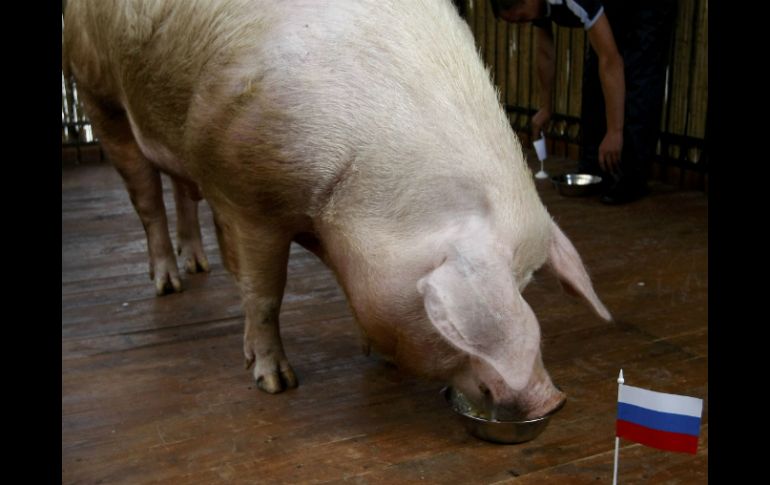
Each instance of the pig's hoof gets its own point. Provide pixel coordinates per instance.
(277, 380)
(196, 264)
(166, 279)
(167, 284)
(195, 260)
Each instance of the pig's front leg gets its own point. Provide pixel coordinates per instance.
(262, 260)
(188, 230)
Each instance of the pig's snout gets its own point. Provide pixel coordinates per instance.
(542, 397)
(530, 406)
(552, 405)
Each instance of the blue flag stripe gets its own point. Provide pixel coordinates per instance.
(673, 423)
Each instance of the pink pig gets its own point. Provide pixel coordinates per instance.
(367, 131)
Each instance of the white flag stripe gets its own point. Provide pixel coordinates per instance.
(660, 401)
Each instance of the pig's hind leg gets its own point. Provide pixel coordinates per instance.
(144, 187)
(188, 229)
(262, 256)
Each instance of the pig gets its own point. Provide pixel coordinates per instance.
(368, 132)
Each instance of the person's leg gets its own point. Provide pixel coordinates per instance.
(593, 119)
(645, 56)
(593, 109)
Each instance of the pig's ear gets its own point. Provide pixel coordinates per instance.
(478, 309)
(565, 262)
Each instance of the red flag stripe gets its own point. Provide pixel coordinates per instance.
(662, 440)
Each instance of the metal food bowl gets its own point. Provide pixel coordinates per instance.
(577, 184)
(495, 430)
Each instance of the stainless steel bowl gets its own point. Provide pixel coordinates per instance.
(577, 184)
(494, 430)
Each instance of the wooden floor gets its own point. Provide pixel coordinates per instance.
(154, 389)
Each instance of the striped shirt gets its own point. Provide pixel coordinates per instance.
(571, 13)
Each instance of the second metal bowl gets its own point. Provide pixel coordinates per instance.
(577, 184)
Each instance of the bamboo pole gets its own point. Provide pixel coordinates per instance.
(561, 81)
(501, 54)
(481, 28)
(577, 58)
(512, 64)
(681, 73)
(699, 93)
(526, 98)
(491, 38)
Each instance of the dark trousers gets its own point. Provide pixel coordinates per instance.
(642, 31)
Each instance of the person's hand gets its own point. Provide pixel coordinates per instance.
(609, 152)
(541, 118)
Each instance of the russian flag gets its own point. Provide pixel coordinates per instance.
(660, 420)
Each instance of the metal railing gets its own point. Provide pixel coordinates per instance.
(76, 130)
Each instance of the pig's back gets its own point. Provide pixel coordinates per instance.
(368, 109)
(360, 109)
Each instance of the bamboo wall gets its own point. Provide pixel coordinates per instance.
(508, 50)
(687, 98)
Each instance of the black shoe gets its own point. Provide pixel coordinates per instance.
(623, 192)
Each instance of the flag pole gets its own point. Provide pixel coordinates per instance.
(617, 440)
